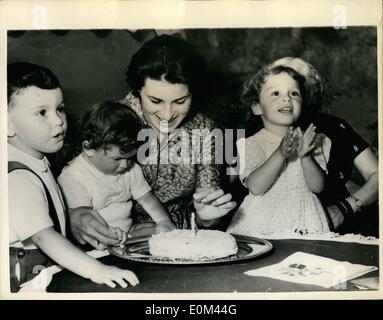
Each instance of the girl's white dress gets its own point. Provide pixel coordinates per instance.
(288, 208)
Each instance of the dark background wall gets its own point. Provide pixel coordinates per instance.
(90, 66)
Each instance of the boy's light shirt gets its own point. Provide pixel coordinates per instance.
(29, 214)
(110, 195)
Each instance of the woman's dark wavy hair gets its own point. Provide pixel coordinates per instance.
(170, 57)
(21, 75)
(252, 88)
(110, 122)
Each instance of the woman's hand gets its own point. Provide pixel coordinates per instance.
(305, 140)
(288, 144)
(89, 227)
(212, 204)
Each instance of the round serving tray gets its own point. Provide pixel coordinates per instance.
(138, 250)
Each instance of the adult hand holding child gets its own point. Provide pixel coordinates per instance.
(89, 227)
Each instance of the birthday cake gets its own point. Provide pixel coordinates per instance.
(190, 245)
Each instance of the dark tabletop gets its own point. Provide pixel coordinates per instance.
(226, 277)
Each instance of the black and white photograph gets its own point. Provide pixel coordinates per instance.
(224, 158)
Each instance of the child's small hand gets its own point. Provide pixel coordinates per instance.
(110, 275)
(288, 144)
(122, 236)
(305, 141)
(164, 226)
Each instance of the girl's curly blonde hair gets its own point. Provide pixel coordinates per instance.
(253, 86)
(316, 96)
(315, 93)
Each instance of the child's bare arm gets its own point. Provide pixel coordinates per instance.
(262, 178)
(63, 252)
(313, 174)
(154, 207)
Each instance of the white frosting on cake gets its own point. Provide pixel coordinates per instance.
(185, 244)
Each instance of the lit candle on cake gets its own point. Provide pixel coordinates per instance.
(192, 220)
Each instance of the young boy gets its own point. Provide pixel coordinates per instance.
(104, 176)
(36, 127)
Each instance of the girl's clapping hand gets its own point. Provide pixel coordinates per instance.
(288, 144)
(305, 140)
(111, 275)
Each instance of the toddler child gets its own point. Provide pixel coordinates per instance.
(279, 163)
(104, 176)
(36, 127)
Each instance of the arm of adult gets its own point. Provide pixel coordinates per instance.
(367, 165)
(89, 227)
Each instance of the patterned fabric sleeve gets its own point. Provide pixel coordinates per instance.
(208, 172)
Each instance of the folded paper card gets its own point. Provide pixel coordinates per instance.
(311, 269)
(371, 283)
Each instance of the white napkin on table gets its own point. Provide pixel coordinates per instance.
(306, 268)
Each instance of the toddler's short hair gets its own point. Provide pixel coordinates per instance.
(252, 87)
(110, 123)
(21, 75)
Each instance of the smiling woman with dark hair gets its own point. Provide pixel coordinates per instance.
(172, 59)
